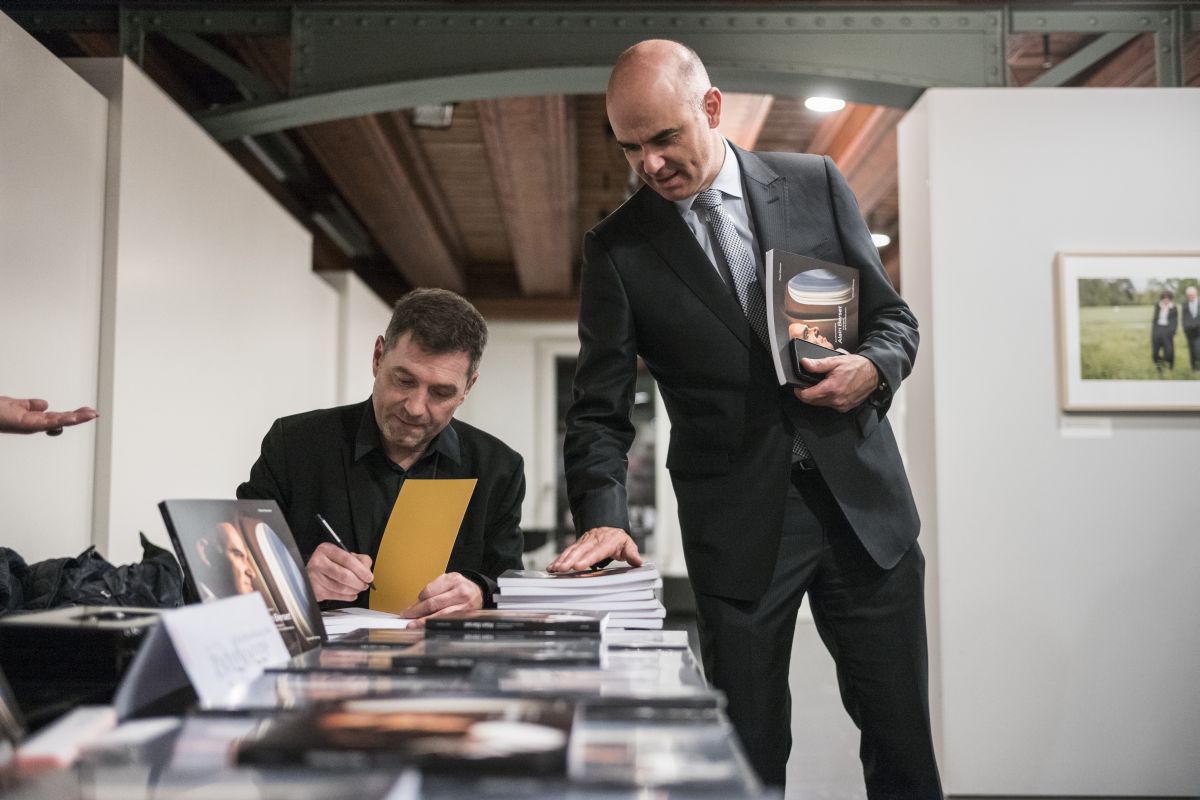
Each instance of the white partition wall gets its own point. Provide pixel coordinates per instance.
(362, 316)
(1067, 548)
(213, 321)
(53, 128)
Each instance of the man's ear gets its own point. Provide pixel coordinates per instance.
(470, 382)
(712, 106)
(202, 550)
(377, 356)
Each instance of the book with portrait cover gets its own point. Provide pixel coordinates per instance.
(230, 547)
(481, 734)
(812, 312)
(12, 731)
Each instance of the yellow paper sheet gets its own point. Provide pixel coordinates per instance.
(417, 541)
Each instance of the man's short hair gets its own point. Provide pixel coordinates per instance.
(440, 321)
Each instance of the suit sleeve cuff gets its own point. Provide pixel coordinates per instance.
(486, 585)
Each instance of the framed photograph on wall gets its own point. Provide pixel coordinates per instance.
(1129, 331)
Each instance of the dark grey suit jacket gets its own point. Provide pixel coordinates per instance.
(649, 290)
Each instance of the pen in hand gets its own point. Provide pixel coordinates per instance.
(338, 541)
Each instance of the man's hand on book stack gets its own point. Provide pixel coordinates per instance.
(595, 546)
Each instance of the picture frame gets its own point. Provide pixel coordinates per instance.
(1115, 352)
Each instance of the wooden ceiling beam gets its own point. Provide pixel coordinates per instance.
(530, 147)
(743, 116)
(358, 156)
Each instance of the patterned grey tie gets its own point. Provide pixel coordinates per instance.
(745, 278)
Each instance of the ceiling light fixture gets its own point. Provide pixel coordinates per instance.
(433, 115)
(881, 240)
(824, 104)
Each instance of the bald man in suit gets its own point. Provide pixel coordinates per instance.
(780, 492)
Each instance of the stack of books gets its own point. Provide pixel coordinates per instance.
(625, 593)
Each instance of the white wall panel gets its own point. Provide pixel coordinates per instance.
(53, 128)
(214, 322)
(362, 316)
(1066, 566)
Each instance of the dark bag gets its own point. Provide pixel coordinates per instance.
(155, 582)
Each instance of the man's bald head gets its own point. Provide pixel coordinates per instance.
(664, 113)
(663, 61)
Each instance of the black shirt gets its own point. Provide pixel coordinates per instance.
(387, 477)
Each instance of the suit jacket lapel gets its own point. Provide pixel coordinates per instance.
(766, 197)
(669, 234)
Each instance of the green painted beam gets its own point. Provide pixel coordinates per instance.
(1083, 58)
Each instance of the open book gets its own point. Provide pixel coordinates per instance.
(812, 312)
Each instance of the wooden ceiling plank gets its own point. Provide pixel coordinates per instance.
(530, 146)
(362, 160)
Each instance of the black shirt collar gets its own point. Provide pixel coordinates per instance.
(368, 438)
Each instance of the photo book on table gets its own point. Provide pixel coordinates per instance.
(812, 312)
(486, 735)
(231, 547)
(494, 621)
(12, 730)
(625, 593)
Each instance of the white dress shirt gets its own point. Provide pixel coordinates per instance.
(729, 182)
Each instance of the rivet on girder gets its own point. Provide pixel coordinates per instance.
(208, 20)
(156, 21)
(877, 21)
(906, 21)
(392, 22)
(848, 21)
(791, 22)
(1144, 20)
(934, 21)
(676, 21)
(820, 22)
(1092, 20)
(477, 22)
(963, 22)
(363, 22)
(1041, 22)
(762, 22)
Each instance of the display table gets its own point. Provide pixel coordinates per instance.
(646, 726)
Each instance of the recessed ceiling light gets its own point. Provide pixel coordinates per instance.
(881, 239)
(824, 104)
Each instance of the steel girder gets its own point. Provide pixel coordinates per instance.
(349, 59)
